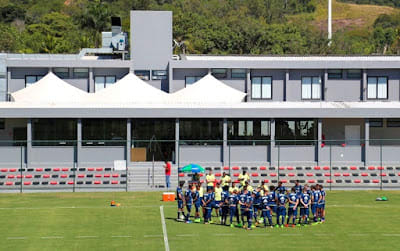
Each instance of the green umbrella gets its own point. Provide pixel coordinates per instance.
(192, 168)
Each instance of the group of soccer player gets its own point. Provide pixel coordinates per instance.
(248, 205)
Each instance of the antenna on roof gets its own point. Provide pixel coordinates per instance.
(329, 22)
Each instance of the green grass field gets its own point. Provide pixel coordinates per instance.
(85, 221)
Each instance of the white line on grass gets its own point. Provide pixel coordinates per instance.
(16, 238)
(187, 235)
(152, 236)
(223, 234)
(391, 235)
(324, 234)
(73, 207)
(81, 237)
(291, 234)
(259, 234)
(51, 237)
(357, 234)
(121, 236)
(164, 228)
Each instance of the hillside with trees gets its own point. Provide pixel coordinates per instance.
(205, 26)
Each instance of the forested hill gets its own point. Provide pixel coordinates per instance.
(206, 26)
(392, 3)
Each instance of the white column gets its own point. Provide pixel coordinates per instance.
(91, 80)
(79, 140)
(225, 149)
(128, 141)
(287, 76)
(366, 136)
(29, 141)
(318, 148)
(248, 85)
(273, 157)
(364, 85)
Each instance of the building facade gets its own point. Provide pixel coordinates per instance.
(298, 111)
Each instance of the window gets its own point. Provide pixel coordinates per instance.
(239, 73)
(335, 74)
(261, 87)
(157, 136)
(376, 123)
(111, 132)
(393, 122)
(295, 132)
(311, 88)
(143, 74)
(377, 88)
(61, 72)
(159, 74)
(2, 124)
(248, 132)
(53, 132)
(191, 80)
(102, 82)
(200, 131)
(81, 73)
(219, 73)
(3, 88)
(31, 79)
(354, 74)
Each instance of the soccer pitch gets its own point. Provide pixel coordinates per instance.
(85, 221)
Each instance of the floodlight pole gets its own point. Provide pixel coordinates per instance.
(329, 22)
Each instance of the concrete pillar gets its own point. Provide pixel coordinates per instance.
(287, 76)
(318, 147)
(364, 85)
(366, 146)
(128, 141)
(323, 85)
(248, 85)
(29, 141)
(225, 150)
(8, 97)
(177, 142)
(91, 81)
(273, 152)
(79, 140)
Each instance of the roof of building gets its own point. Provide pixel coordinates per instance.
(208, 90)
(50, 90)
(129, 89)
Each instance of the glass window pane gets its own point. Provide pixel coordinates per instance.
(143, 74)
(61, 72)
(81, 72)
(256, 87)
(354, 74)
(382, 88)
(110, 80)
(190, 80)
(29, 80)
(372, 82)
(335, 74)
(393, 123)
(266, 87)
(316, 88)
(306, 88)
(219, 73)
(241, 128)
(376, 122)
(239, 73)
(159, 74)
(249, 128)
(265, 128)
(99, 83)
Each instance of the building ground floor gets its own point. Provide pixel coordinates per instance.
(102, 142)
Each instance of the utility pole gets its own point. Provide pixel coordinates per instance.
(329, 22)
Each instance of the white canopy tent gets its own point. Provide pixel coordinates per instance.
(50, 90)
(208, 90)
(129, 89)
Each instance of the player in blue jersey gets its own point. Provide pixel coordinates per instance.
(224, 205)
(197, 203)
(272, 199)
(249, 210)
(293, 200)
(281, 188)
(266, 210)
(321, 203)
(305, 200)
(180, 199)
(207, 204)
(281, 209)
(233, 201)
(256, 204)
(298, 187)
(189, 194)
(316, 195)
(242, 203)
